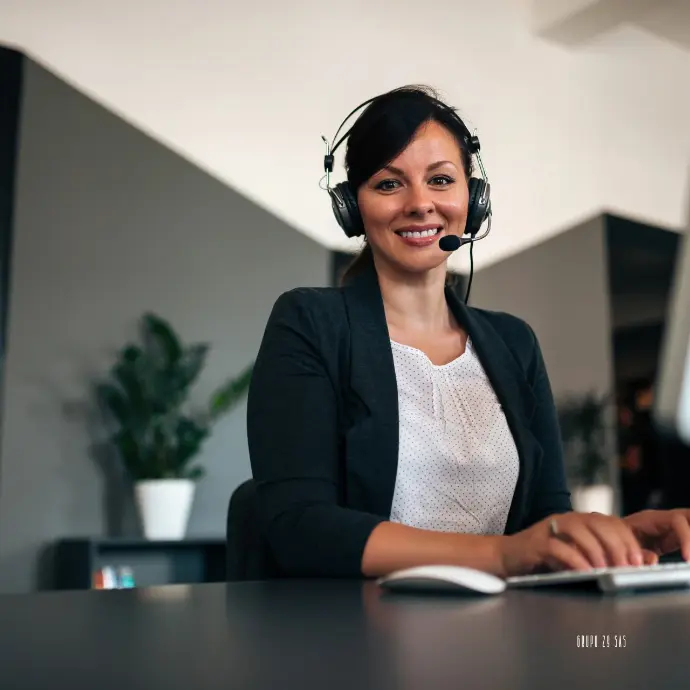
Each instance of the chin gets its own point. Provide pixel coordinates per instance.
(421, 265)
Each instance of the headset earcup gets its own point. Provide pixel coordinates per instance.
(346, 209)
(478, 206)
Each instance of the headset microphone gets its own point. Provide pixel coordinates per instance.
(449, 243)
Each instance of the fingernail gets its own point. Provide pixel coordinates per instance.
(637, 558)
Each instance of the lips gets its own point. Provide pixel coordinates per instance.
(417, 240)
(419, 230)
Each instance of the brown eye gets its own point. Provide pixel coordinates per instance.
(386, 185)
(444, 180)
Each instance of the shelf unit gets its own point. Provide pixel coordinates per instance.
(77, 561)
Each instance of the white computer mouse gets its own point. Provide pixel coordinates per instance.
(442, 578)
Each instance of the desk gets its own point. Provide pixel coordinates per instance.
(289, 635)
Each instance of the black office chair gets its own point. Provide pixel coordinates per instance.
(248, 555)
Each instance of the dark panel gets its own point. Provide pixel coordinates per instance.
(10, 95)
(11, 64)
(641, 257)
(636, 352)
(641, 260)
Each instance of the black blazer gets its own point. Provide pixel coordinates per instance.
(322, 422)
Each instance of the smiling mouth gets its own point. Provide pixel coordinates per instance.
(419, 235)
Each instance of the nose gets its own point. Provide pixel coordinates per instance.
(418, 201)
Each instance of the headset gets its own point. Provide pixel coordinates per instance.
(344, 199)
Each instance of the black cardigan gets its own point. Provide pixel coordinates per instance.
(322, 422)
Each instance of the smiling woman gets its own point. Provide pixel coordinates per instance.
(406, 148)
(408, 429)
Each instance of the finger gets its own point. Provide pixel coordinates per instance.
(679, 524)
(579, 535)
(562, 556)
(649, 557)
(618, 540)
(635, 551)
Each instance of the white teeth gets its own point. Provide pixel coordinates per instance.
(424, 233)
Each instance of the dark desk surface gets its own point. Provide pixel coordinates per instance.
(325, 635)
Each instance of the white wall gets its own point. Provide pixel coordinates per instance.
(245, 91)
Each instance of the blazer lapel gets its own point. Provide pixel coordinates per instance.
(514, 394)
(372, 436)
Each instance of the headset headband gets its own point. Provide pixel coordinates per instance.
(471, 141)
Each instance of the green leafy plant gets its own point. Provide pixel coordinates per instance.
(584, 426)
(157, 435)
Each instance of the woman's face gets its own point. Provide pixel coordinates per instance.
(423, 190)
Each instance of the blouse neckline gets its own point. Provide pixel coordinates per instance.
(421, 354)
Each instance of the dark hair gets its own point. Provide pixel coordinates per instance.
(384, 129)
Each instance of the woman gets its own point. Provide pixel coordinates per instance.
(390, 425)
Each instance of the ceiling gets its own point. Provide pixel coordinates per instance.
(578, 22)
(245, 91)
(669, 20)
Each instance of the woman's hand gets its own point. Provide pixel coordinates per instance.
(662, 531)
(575, 541)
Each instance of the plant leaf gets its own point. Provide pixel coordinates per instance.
(190, 435)
(583, 426)
(126, 373)
(195, 473)
(192, 363)
(128, 449)
(146, 395)
(161, 338)
(114, 400)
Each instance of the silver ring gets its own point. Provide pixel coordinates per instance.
(553, 527)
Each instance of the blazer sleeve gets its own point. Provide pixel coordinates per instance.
(292, 427)
(550, 493)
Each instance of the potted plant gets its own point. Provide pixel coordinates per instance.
(584, 426)
(157, 435)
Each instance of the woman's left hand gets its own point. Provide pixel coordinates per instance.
(662, 531)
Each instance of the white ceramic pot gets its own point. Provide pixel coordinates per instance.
(164, 506)
(597, 498)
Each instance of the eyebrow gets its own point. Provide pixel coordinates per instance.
(433, 166)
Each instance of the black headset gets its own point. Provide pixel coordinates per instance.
(344, 199)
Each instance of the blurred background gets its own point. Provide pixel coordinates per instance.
(159, 169)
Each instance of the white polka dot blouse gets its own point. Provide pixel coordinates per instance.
(458, 463)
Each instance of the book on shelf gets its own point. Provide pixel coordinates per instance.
(111, 577)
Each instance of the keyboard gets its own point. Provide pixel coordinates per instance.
(612, 579)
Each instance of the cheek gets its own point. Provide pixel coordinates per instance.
(455, 207)
(377, 211)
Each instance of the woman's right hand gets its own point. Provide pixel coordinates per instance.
(582, 541)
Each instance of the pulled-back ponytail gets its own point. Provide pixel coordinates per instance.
(363, 260)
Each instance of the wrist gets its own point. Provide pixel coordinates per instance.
(499, 546)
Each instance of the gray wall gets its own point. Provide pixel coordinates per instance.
(109, 224)
(560, 288)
